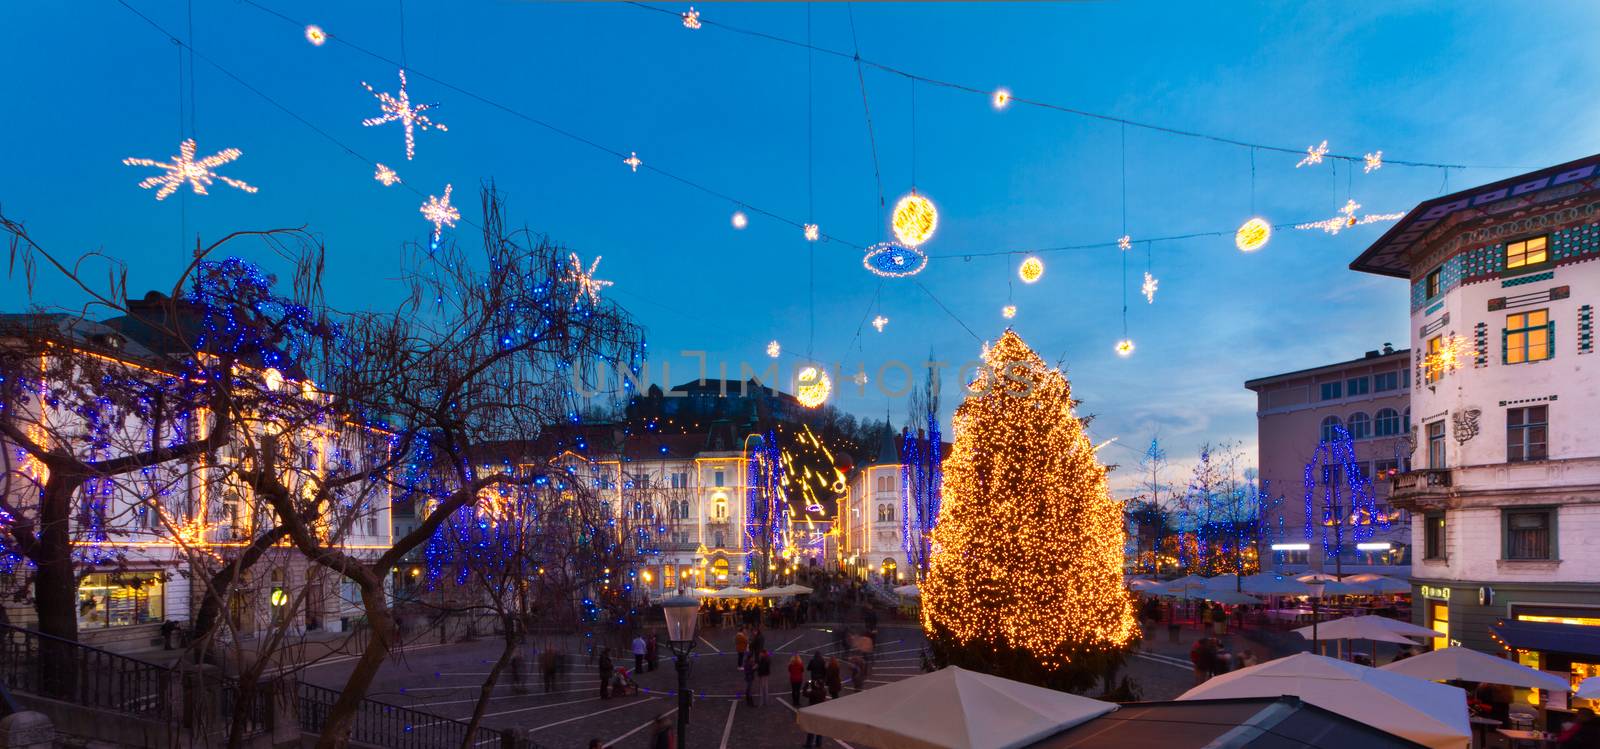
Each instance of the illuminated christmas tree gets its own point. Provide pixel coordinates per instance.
(1026, 571)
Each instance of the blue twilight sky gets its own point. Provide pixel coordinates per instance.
(87, 84)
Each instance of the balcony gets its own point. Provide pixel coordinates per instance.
(1422, 490)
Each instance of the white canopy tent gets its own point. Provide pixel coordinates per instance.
(733, 591)
(1268, 584)
(775, 591)
(1589, 689)
(909, 591)
(1369, 627)
(1467, 664)
(1430, 714)
(951, 708)
(1376, 584)
(795, 589)
(1228, 597)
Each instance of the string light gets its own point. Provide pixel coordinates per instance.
(385, 175)
(584, 281)
(185, 168)
(1124, 243)
(1252, 235)
(1028, 550)
(892, 260)
(1031, 270)
(691, 18)
(739, 220)
(633, 161)
(915, 219)
(398, 108)
(440, 212)
(773, 349)
(316, 35)
(880, 321)
(1009, 311)
(813, 233)
(1125, 347)
(812, 387)
(1149, 287)
(1314, 155)
(1347, 218)
(1374, 162)
(1002, 98)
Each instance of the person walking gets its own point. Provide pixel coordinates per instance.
(607, 668)
(764, 676)
(858, 671)
(662, 735)
(817, 667)
(639, 650)
(652, 653)
(797, 678)
(835, 684)
(817, 694)
(741, 646)
(749, 669)
(758, 641)
(547, 666)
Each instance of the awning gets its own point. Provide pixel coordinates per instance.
(1549, 637)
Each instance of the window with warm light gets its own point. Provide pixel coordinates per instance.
(1432, 372)
(1528, 337)
(1531, 251)
(120, 599)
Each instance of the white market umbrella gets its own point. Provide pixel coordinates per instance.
(1188, 586)
(1229, 597)
(733, 591)
(775, 591)
(1267, 584)
(951, 708)
(1589, 689)
(795, 589)
(1369, 627)
(1140, 584)
(1377, 584)
(909, 591)
(1430, 714)
(1466, 664)
(1311, 577)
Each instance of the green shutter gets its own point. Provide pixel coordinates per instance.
(1505, 345)
(1550, 338)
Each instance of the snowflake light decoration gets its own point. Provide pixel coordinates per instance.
(1009, 311)
(316, 35)
(773, 349)
(1149, 287)
(633, 160)
(691, 18)
(1374, 162)
(184, 167)
(1125, 347)
(440, 212)
(1314, 155)
(385, 175)
(1347, 218)
(880, 321)
(399, 109)
(813, 233)
(584, 280)
(1124, 243)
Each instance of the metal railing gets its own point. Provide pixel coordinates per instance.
(386, 725)
(58, 668)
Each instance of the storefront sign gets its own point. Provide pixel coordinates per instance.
(1435, 592)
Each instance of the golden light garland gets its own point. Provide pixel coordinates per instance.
(385, 175)
(1374, 162)
(1031, 270)
(812, 387)
(1314, 155)
(1125, 243)
(1453, 352)
(880, 321)
(1252, 235)
(773, 349)
(184, 167)
(915, 219)
(691, 18)
(584, 280)
(440, 212)
(1347, 218)
(398, 108)
(1149, 287)
(633, 161)
(1028, 550)
(1009, 311)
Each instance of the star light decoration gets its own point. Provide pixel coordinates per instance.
(773, 349)
(1124, 243)
(1009, 311)
(398, 108)
(386, 176)
(860, 377)
(691, 18)
(1002, 98)
(1149, 287)
(184, 167)
(1314, 155)
(813, 233)
(880, 321)
(316, 35)
(633, 160)
(440, 212)
(1125, 347)
(1347, 218)
(584, 280)
(1374, 162)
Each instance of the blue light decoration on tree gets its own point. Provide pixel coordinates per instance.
(764, 507)
(1339, 494)
(921, 482)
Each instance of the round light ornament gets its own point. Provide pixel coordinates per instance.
(915, 219)
(894, 260)
(1252, 235)
(812, 387)
(1031, 270)
(1125, 347)
(739, 220)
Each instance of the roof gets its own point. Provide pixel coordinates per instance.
(1397, 354)
(1258, 723)
(1549, 637)
(1390, 255)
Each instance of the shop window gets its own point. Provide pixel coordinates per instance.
(1439, 621)
(120, 599)
(1529, 534)
(1433, 369)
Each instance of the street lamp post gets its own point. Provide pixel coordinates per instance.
(1316, 600)
(682, 614)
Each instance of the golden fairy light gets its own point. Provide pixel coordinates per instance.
(1124, 243)
(184, 167)
(385, 175)
(1125, 347)
(1347, 218)
(691, 18)
(880, 321)
(812, 386)
(1452, 353)
(440, 212)
(1009, 311)
(1031, 270)
(739, 220)
(633, 161)
(773, 349)
(1002, 98)
(915, 219)
(1028, 550)
(398, 108)
(1314, 155)
(813, 233)
(584, 281)
(1252, 235)
(316, 35)
(1149, 287)
(1374, 162)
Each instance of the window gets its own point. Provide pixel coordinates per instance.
(1357, 386)
(1383, 469)
(1430, 283)
(1360, 425)
(1332, 391)
(1331, 428)
(1436, 458)
(1433, 538)
(1528, 336)
(718, 539)
(1385, 381)
(1431, 366)
(719, 508)
(1439, 621)
(1530, 251)
(1529, 534)
(1386, 423)
(119, 599)
(1527, 433)
(717, 479)
(679, 480)
(1405, 420)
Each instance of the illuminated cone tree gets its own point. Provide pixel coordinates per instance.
(1026, 571)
